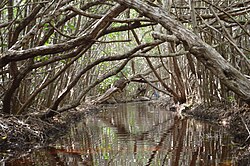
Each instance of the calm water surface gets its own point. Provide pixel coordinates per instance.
(136, 134)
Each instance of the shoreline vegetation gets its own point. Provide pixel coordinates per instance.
(20, 134)
(56, 55)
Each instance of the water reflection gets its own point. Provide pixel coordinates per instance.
(137, 134)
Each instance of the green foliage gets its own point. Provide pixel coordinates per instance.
(70, 26)
(3, 45)
(146, 34)
(133, 13)
(15, 12)
(107, 83)
(126, 71)
(41, 58)
(231, 99)
(131, 88)
(103, 86)
(46, 26)
(117, 24)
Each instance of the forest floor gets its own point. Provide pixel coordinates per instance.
(20, 134)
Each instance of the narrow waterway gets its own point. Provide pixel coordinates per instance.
(137, 134)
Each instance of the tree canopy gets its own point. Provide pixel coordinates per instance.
(56, 54)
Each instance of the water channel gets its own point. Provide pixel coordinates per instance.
(136, 134)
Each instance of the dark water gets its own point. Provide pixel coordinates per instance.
(136, 135)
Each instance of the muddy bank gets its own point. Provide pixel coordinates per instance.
(235, 120)
(19, 135)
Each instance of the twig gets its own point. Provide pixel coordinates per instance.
(246, 128)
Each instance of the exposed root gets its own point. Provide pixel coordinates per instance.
(20, 134)
(19, 131)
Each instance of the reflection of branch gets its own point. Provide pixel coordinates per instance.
(54, 153)
(89, 143)
(179, 141)
(194, 156)
(122, 130)
(159, 145)
(116, 154)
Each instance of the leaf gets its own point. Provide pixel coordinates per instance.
(71, 26)
(3, 45)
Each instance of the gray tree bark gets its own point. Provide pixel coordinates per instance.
(204, 53)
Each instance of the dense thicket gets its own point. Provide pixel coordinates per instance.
(56, 54)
